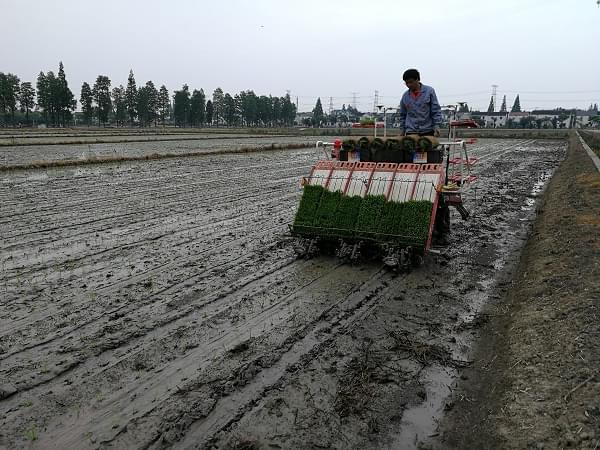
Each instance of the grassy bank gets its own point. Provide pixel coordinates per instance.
(535, 382)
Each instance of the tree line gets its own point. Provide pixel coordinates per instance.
(243, 109)
(103, 104)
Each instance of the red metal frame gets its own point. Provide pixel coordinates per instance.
(470, 161)
(360, 167)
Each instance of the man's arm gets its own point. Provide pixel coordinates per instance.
(436, 113)
(402, 116)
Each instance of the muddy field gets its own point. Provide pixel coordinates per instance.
(160, 304)
(201, 143)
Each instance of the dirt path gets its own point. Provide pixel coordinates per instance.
(536, 382)
(160, 304)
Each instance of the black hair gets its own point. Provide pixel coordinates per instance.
(411, 74)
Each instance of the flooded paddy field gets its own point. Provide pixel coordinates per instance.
(133, 146)
(160, 304)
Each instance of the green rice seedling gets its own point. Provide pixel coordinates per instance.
(364, 147)
(32, 434)
(326, 212)
(393, 144)
(427, 143)
(390, 219)
(409, 143)
(377, 144)
(369, 215)
(414, 222)
(363, 143)
(305, 216)
(349, 145)
(346, 215)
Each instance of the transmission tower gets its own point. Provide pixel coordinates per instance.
(376, 101)
(330, 105)
(494, 87)
(354, 94)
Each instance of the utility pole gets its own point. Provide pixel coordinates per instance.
(354, 94)
(494, 87)
(375, 102)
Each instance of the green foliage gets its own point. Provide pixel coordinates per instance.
(131, 99)
(346, 215)
(503, 106)
(181, 106)
(86, 99)
(197, 108)
(209, 112)
(305, 217)
(491, 106)
(409, 143)
(427, 143)
(9, 94)
(55, 99)
(407, 222)
(516, 105)
(390, 215)
(377, 144)
(65, 99)
(349, 144)
(318, 116)
(326, 213)
(363, 143)
(325, 216)
(164, 103)
(26, 98)
(101, 93)
(393, 145)
(31, 434)
(147, 104)
(120, 104)
(369, 215)
(218, 105)
(56, 103)
(229, 110)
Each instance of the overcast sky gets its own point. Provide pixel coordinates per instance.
(548, 51)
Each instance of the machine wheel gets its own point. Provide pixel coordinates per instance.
(441, 228)
(417, 260)
(442, 220)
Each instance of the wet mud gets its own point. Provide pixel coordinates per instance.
(160, 304)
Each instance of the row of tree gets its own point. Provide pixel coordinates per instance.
(145, 106)
(55, 100)
(515, 108)
(243, 109)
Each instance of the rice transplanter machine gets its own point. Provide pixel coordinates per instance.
(386, 198)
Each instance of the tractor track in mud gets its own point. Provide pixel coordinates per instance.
(217, 321)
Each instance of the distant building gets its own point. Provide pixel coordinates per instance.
(302, 117)
(518, 116)
(490, 119)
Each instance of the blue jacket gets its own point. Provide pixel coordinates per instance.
(421, 114)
